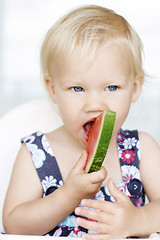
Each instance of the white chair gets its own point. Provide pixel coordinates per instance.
(17, 123)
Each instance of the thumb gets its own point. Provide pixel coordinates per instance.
(81, 163)
(115, 192)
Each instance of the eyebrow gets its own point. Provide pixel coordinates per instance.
(72, 80)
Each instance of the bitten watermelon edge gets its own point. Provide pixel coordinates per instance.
(99, 138)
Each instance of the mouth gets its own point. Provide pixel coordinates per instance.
(86, 129)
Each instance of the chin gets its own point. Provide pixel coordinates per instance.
(83, 143)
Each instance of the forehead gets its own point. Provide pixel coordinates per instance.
(109, 56)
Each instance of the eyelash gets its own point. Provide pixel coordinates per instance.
(77, 89)
(112, 88)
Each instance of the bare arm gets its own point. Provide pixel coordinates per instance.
(26, 212)
(150, 175)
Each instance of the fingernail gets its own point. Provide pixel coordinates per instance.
(77, 210)
(83, 202)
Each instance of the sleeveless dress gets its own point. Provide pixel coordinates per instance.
(51, 179)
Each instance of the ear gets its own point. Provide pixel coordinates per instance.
(49, 83)
(138, 84)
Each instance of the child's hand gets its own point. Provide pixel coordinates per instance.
(110, 220)
(81, 185)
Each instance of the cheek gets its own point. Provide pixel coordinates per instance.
(67, 111)
(121, 114)
(67, 104)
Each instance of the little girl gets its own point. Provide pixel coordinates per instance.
(91, 61)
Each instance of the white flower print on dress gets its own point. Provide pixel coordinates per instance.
(108, 193)
(51, 181)
(39, 133)
(138, 150)
(129, 143)
(60, 183)
(37, 155)
(76, 232)
(99, 196)
(29, 139)
(119, 152)
(47, 146)
(57, 233)
(129, 173)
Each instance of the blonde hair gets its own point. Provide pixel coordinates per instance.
(87, 27)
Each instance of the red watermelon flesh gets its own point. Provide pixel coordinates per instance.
(100, 133)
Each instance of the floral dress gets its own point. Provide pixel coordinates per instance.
(51, 179)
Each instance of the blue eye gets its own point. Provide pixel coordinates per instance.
(77, 89)
(112, 88)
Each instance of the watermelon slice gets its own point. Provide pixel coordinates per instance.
(98, 140)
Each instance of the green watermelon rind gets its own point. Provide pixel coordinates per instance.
(103, 141)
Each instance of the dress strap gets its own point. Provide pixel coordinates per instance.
(129, 155)
(44, 161)
(128, 148)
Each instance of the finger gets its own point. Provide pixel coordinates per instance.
(104, 206)
(99, 176)
(94, 215)
(80, 165)
(97, 236)
(92, 225)
(115, 192)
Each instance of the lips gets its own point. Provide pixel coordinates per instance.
(86, 127)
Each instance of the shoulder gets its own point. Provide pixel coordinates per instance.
(23, 165)
(150, 165)
(150, 151)
(24, 183)
(148, 143)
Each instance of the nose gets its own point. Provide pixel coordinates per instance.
(95, 102)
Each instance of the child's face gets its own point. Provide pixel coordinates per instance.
(83, 91)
